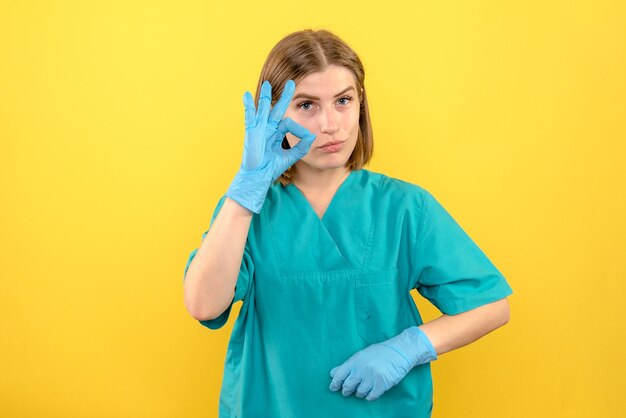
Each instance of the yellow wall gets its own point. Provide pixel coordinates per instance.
(121, 124)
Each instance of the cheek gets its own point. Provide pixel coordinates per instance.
(352, 124)
(293, 114)
(306, 122)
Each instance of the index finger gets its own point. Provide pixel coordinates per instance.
(278, 111)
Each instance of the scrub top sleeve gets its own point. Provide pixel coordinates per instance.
(452, 272)
(245, 272)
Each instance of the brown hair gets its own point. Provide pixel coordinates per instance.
(301, 53)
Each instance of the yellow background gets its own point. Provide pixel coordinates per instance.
(121, 124)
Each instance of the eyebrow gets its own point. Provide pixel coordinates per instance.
(307, 96)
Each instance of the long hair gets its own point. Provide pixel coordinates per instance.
(303, 52)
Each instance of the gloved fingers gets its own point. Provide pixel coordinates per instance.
(300, 149)
(382, 383)
(350, 384)
(340, 375)
(375, 393)
(265, 100)
(290, 125)
(279, 109)
(250, 111)
(364, 388)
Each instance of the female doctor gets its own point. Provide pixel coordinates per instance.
(323, 254)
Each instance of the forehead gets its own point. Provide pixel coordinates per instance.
(328, 82)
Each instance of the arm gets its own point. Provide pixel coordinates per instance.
(212, 275)
(449, 332)
(378, 367)
(455, 275)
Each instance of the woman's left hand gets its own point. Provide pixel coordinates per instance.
(377, 368)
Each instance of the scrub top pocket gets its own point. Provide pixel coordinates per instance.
(381, 305)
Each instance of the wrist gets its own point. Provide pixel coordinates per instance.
(413, 345)
(424, 351)
(249, 189)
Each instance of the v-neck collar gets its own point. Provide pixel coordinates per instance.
(340, 239)
(337, 195)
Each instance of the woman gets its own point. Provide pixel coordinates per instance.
(324, 253)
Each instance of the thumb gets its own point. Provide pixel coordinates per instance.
(301, 148)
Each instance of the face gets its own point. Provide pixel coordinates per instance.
(327, 104)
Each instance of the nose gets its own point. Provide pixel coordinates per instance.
(329, 121)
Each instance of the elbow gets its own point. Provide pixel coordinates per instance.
(199, 310)
(203, 317)
(199, 313)
(197, 306)
(496, 314)
(205, 298)
(504, 311)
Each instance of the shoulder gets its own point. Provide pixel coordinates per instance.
(398, 190)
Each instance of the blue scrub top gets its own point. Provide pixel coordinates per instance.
(315, 291)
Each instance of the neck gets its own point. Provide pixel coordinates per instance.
(319, 180)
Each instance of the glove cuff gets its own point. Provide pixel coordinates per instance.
(423, 350)
(249, 189)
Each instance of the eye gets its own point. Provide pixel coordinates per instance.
(347, 98)
(303, 104)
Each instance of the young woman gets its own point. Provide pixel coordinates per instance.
(323, 253)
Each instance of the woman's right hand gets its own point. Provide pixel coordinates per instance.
(264, 159)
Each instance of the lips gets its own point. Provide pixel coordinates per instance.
(330, 143)
(331, 147)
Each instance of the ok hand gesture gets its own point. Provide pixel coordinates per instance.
(264, 159)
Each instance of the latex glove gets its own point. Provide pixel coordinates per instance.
(378, 367)
(264, 159)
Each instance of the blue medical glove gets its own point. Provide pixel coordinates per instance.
(264, 159)
(378, 367)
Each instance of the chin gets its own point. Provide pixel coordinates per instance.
(326, 165)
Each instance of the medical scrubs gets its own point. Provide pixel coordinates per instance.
(315, 291)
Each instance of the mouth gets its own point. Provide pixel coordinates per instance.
(331, 143)
(332, 146)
